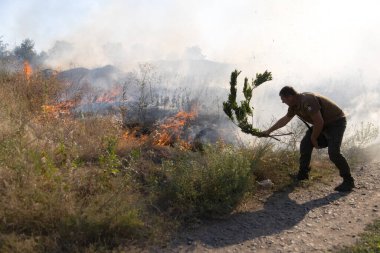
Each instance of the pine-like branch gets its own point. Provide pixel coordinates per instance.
(239, 114)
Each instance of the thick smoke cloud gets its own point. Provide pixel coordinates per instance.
(329, 47)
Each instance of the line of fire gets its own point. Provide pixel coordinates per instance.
(151, 110)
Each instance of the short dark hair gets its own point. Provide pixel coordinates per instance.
(288, 91)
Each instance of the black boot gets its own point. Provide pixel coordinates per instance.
(347, 185)
(303, 174)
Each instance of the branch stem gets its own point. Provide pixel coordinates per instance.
(282, 134)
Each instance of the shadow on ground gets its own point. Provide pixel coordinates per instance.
(280, 213)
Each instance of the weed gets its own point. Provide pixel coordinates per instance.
(110, 161)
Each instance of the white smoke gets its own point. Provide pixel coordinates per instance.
(328, 47)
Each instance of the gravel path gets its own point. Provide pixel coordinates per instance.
(312, 219)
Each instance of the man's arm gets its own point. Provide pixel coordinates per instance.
(317, 127)
(280, 123)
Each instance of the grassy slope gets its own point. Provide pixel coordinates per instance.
(73, 184)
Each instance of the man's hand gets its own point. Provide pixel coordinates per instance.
(264, 134)
(280, 123)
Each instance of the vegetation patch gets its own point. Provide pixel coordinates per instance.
(211, 185)
(369, 241)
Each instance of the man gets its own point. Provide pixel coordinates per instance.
(328, 121)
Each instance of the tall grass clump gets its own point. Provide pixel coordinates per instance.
(268, 161)
(206, 186)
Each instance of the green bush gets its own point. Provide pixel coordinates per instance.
(211, 185)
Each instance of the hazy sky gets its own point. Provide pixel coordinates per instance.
(332, 46)
(317, 35)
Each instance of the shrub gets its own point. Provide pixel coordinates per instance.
(110, 161)
(210, 185)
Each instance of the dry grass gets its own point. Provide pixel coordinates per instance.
(55, 196)
(70, 211)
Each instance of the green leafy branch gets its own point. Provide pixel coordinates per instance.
(239, 114)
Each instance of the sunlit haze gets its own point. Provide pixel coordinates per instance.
(329, 47)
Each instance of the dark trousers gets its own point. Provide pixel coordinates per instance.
(334, 135)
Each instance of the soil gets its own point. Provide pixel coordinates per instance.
(298, 219)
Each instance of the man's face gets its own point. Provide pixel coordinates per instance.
(289, 100)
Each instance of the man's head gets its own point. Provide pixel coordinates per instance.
(288, 95)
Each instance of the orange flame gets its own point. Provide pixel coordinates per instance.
(27, 70)
(109, 96)
(131, 136)
(169, 132)
(59, 109)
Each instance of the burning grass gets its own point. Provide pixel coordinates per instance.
(72, 184)
(169, 132)
(61, 109)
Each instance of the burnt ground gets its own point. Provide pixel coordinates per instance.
(297, 219)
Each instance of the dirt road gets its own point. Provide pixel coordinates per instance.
(312, 219)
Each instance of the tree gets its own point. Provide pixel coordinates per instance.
(143, 79)
(25, 52)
